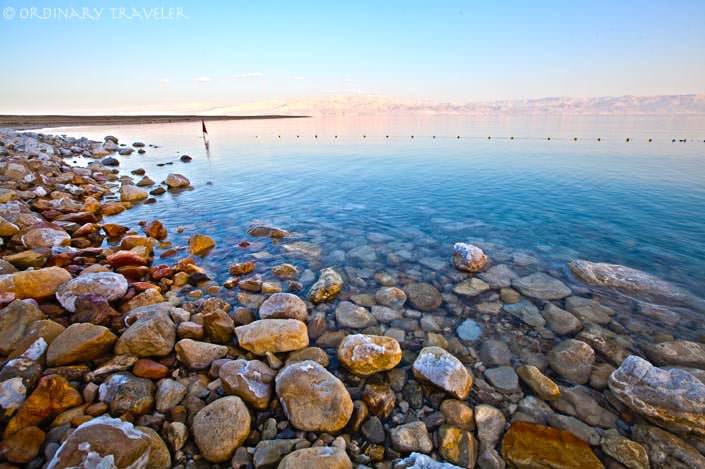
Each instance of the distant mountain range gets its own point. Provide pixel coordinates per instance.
(689, 104)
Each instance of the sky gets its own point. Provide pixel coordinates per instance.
(59, 59)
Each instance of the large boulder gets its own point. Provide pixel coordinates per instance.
(108, 285)
(673, 399)
(103, 442)
(365, 355)
(272, 335)
(220, 428)
(313, 399)
(440, 368)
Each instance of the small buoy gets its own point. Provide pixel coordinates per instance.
(650, 140)
(489, 137)
(548, 138)
(297, 136)
(628, 140)
(336, 136)
(599, 139)
(386, 136)
(511, 138)
(315, 136)
(364, 136)
(673, 141)
(575, 139)
(458, 137)
(434, 137)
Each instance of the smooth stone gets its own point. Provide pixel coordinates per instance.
(251, 380)
(272, 335)
(220, 428)
(542, 286)
(200, 244)
(440, 368)
(495, 353)
(572, 359)
(469, 330)
(267, 232)
(588, 310)
(423, 296)
(169, 394)
(124, 393)
(613, 346)
(103, 442)
(422, 461)
(385, 315)
(530, 445)
(581, 402)
(15, 320)
(411, 437)
(283, 306)
(313, 399)
(23, 446)
(673, 399)
(198, 355)
(560, 321)
(268, 453)
(458, 413)
(327, 286)
(351, 316)
(40, 283)
(373, 430)
(665, 450)
(391, 297)
(365, 355)
(539, 383)
(471, 287)
(526, 312)
(108, 285)
(503, 378)
(80, 342)
(498, 276)
(175, 181)
(329, 457)
(152, 334)
(626, 451)
(159, 455)
(468, 257)
(677, 353)
(131, 193)
(45, 237)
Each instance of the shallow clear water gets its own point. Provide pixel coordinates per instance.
(640, 204)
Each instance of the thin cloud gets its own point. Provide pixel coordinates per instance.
(202, 79)
(164, 81)
(250, 75)
(299, 78)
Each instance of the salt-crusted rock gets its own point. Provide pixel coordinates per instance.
(673, 399)
(314, 400)
(249, 379)
(220, 428)
(103, 442)
(108, 285)
(327, 287)
(442, 369)
(365, 355)
(272, 335)
(468, 257)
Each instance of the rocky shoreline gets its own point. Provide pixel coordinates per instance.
(118, 349)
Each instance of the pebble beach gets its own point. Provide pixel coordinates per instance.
(128, 346)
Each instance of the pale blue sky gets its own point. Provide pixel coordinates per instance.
(234, 52)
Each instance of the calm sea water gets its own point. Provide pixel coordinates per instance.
(638, 203)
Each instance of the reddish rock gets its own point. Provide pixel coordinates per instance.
(242, 268)
(22, 446)
(113, 230)
(155, 229)
(121, 258)
(145, 368)
(161, 271)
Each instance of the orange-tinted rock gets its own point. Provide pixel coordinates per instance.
(161, 271)
(52, 396)
(121, 258)
(114, 230)
(200, 245)
(368, 354)
(155, 229)
(22, 446)
(34, 283)
(528, 445)
(145, 368)
(112, 208)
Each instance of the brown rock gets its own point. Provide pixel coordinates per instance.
(457, 446)
(15, 319)
(242, 268)
(22, 446)
(40, 283)
(327, 286)
(539, 383)
(80, 343)
(155, 229)
(220, 427)
(198, 355)
(379, 398)
(442, 369)
(272, 335)
(150, 369)
(529, 445)
(328, 457)
(200, 245)
(249, 379)
(218, 326)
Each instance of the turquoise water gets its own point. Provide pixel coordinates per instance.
(639, 204)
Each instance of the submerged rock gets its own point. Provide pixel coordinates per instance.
(327, 287)
(313, 399)
(673, 399)
(665, 450)
(530, 445)
(572, 359)
(351, 316)
(267, 232)
(468, 257)
(442, 369)
(423, 296)
(677, 353)
(542, 286)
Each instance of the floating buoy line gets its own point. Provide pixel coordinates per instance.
(489, 137)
